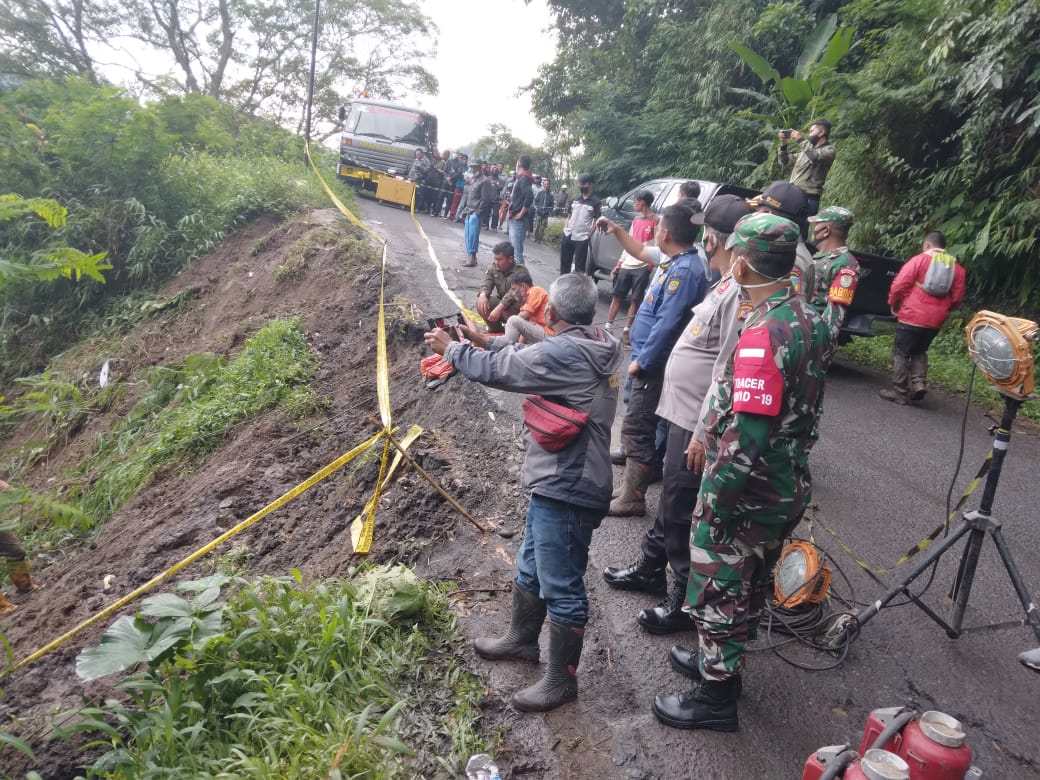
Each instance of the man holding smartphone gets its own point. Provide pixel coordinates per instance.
(677, 286)
(810, 167)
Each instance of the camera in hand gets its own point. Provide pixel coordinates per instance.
(449, 323)
(785, 133)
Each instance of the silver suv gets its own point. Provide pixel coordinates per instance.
(604, 249)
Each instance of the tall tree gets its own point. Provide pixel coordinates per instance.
(53, 38)
(254, 55)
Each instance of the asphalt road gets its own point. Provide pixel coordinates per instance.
(881, 476)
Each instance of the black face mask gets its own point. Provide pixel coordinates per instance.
(814, 139)
(585, 189)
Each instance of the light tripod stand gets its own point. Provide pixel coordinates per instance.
(1002, 349)
(977, 526)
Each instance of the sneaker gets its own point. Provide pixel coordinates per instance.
(625, 337)
(607, 326)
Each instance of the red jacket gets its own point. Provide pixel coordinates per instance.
(912, 305)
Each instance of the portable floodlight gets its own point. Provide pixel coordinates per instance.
(1002, 349)
(800, 576)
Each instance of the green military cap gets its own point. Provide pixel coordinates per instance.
(835, 215)
(766, 233)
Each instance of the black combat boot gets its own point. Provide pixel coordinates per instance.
(688, 664)
(644, 575)
(560, 683)
(711, 705)
(521, 640)
(668, 617)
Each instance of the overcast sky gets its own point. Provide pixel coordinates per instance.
(515, 38)
(486, 51)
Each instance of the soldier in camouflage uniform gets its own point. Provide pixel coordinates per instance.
(836, 270)
(756, 483)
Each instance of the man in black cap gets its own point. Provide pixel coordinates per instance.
(786, 200)
(477, 210)
(698, 356)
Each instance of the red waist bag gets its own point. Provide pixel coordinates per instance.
(553, 426)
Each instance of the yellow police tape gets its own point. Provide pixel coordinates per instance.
(117, 605)
(471, 315)
(361, 530)
(921, 545)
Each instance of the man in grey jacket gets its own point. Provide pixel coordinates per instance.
(570, 489)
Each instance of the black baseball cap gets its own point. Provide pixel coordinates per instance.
(784, 198)
(723, 213)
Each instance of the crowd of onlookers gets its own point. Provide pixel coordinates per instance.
(444, 188)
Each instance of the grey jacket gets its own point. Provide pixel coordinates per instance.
(579, 367)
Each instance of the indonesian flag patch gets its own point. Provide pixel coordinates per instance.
(843, 288)
(758, 385)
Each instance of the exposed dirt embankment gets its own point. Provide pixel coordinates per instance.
(308, 267)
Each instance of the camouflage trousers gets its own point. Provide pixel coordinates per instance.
(730, 571)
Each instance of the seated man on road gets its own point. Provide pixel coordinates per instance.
(569, 485)
(529, 325)
(495, 301)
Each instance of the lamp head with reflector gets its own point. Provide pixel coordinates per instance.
(1001, 347)
(800, 577)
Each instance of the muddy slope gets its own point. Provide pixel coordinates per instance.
(232, 292)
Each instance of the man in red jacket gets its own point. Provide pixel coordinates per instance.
(921, 315)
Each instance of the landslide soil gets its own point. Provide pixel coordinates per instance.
(316, 267)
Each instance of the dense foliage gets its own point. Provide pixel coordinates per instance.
(936, 108)
(148, 187)
(339, 680)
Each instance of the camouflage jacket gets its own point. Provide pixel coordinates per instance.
(835, 277)
(762, 414)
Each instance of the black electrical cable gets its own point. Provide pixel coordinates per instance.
(949, 491)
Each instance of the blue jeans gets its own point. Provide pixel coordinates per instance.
(517, 230)
(554, 555)
(472, 233)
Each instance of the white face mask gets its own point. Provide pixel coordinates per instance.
(757, 285)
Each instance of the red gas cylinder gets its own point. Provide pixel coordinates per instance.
(825, 758)
(878, 721)
(934, 747)
(878, 765)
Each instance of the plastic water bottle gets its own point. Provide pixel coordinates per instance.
(482, 767)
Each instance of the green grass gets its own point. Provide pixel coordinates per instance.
(185, 413)
(287, 681)
(949, 366)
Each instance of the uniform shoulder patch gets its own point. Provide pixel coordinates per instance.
(758, 384)
(796, 280)
(673, 285)
(843, 287)
(723, 286)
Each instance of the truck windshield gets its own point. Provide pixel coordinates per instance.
(390, 124)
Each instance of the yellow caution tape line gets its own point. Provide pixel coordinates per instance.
(362, 530)
(924, 543)
(439, 271)
(117, 605)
